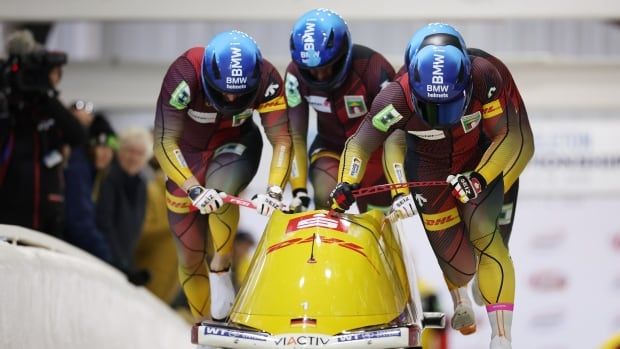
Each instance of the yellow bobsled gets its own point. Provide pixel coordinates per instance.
(324, 280)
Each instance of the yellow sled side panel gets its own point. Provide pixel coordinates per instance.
(320, 274)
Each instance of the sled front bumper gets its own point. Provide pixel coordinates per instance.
(220, 336)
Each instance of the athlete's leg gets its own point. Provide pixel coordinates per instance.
(509, 208)
(190, 232)
(323, 176)
(446, 233)
(506, 219)
(496, 278)
(231, 169)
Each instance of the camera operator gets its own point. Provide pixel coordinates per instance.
(35, 128)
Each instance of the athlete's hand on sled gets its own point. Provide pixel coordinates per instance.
(466, 186)
(301, 201)
(269, 202)
(205, 200)
(403, 207)
(341, 198)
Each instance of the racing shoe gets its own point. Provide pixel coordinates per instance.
(500, 342)
(222, 294)
(464, 319)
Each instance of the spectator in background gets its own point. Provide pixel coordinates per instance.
(33, 132)
(103, 143)
(156, 251)
(81, 229)
(121, 205)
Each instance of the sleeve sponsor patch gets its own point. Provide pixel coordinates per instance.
(239, 119)
(469, 122)
(356, 165)
(278, 103)
(180, 159)
(294, 169)
(293, 97)
(400, 172)
(356, 106)
(181, 96)
(491, 109)
(387, 117)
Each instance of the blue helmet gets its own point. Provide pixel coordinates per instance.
(439, 74)
(321, 38)
(231, 64)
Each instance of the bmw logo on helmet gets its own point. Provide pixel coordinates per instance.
(320, 38)
(439, 74)
(231, 65)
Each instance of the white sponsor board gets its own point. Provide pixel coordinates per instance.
(574, 157)
(567, 264)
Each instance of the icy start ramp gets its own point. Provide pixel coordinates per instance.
(55, 296)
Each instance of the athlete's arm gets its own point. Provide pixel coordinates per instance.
(394, 150)
(380, 72)
(505, 122)
(274, 118)
(175, 95)
(388, 112)
(298, 119)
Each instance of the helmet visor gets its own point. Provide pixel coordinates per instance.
(230, 103)
(440, 115)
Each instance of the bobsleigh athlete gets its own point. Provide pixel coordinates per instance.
(466, 124)
(207, 143)
(339, 80)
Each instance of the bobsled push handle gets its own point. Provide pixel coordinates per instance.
(386, 187)
(235, 200)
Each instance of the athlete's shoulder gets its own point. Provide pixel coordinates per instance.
(270, 95)
(393, 93)
(270, 79)
(292, 68)
(476, 52)
(495, 61)
(267, 68)
(194, 55)
(362, 52)
(372, 67)
(402, 71)
(363, 56)
(487, 80)
(186, 67)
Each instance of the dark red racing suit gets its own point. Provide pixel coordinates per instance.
(222, 152)
(339, 113)
(492, 138)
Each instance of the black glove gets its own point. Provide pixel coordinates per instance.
(341, 198)
(301, 201)
(466, 186)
